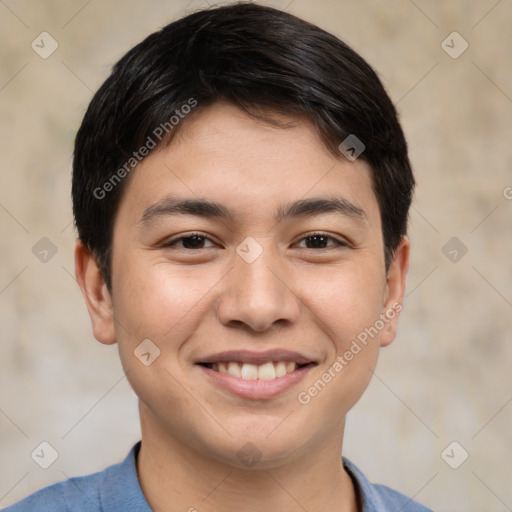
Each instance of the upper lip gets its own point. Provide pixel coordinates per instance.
(255, 357)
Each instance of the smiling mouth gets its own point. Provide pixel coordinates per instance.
(247, 371)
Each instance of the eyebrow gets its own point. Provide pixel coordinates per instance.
(170, 206)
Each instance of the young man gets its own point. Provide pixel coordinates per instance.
(241, 188)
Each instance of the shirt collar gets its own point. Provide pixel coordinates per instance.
(120, 490)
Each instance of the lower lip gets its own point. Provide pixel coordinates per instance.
(257, 389)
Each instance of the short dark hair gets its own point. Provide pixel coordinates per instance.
(258, 58)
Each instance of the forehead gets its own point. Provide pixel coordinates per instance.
(251, 166)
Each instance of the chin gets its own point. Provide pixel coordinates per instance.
(258, 451)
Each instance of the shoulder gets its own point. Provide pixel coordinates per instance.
(377, 497)
(395, 499)
(115, 488)
(64, 496)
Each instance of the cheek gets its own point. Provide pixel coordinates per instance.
(156, 302)
(346, 300)
(347, 304)
(157, 298)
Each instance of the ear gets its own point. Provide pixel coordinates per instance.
(394, 291)
(96, 294)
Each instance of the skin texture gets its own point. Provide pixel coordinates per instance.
(196, 302)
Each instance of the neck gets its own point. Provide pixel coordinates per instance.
(171, 472)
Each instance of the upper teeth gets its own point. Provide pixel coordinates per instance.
(267, 371)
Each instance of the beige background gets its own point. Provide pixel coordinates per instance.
(447, 376)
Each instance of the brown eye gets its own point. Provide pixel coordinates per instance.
(192, 241)
(321, 241)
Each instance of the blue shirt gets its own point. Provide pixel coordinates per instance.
(117, 489)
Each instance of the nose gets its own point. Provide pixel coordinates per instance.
(258, 295)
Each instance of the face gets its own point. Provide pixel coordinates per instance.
(253, 260)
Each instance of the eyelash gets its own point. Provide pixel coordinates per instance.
(338, 243)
